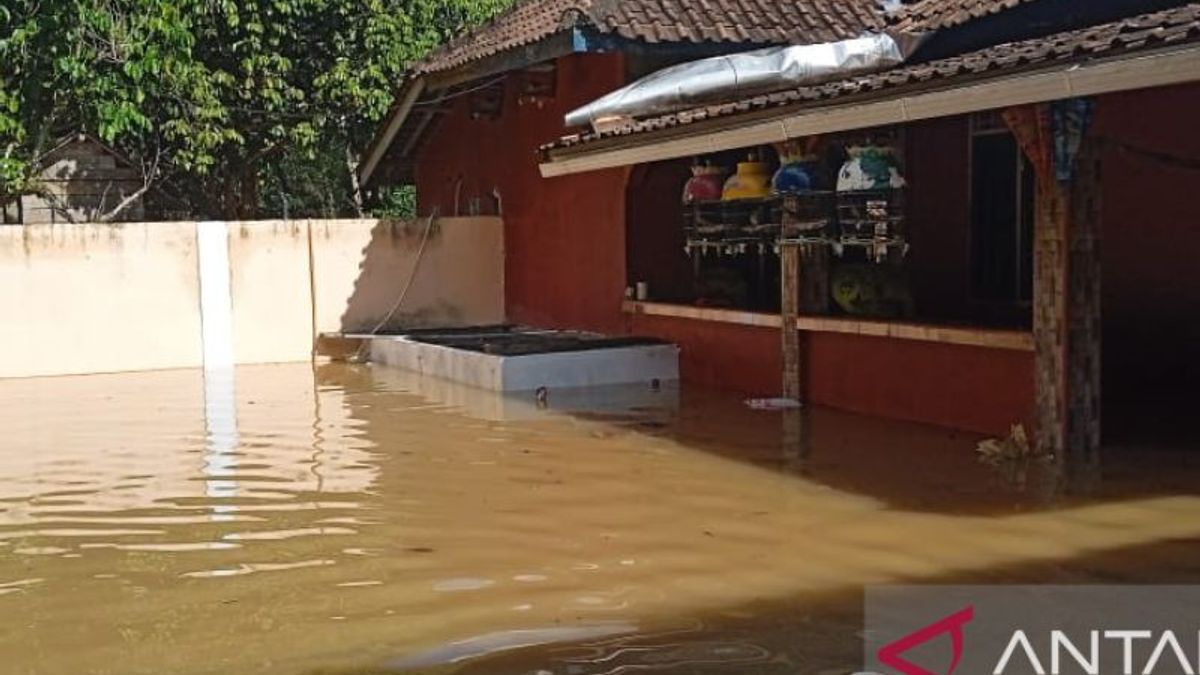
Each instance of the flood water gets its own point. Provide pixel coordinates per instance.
(350, 520)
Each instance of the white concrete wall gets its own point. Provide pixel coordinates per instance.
(269, 283)
(361, 266)
(87, 298)
(80, 299)
(588, 368)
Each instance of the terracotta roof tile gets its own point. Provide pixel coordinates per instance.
(1167, 27)
(722, 21)
(937, 14)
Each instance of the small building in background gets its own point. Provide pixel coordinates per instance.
(80, 180)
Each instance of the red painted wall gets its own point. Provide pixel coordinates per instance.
(745, 359)
(1151, 244)
(971, 388)
(564, 237)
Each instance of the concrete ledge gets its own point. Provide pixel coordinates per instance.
(992, 338)
(558, 370)
(625, 400)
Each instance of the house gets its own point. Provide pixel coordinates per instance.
(1048, 157)
(79, 180)
(469, 119)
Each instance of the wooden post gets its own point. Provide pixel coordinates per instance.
(1066, 318)
(1084, 330)
(789, 311)
(1049, 314)
(794, 440)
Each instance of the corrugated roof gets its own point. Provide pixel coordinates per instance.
(699, 21)
(1157, 29)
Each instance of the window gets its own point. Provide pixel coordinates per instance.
(1002, 213)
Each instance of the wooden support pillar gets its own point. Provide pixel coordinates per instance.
(793, 296)
(795, 439)
(1066, 318)
(1049, 314)
(1084, 330)
(789, 310)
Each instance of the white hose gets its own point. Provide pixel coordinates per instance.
(412, 275)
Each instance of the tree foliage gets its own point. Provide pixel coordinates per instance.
(217, 99)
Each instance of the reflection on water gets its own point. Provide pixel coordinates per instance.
(356, 520)
(220, 421)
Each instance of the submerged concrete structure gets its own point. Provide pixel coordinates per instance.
(541, 367)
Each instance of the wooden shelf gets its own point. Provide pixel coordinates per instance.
(955, 335)
(713, 314)
(1014, 340)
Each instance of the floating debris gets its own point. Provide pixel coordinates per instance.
(1014, 448)
(773, 403)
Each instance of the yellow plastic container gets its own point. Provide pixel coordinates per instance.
(752, 181)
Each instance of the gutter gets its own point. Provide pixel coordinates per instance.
(1090, 78)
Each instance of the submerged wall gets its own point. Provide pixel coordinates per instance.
(108, 298)
(964, 387)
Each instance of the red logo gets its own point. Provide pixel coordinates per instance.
(890, 654)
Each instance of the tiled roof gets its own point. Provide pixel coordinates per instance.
(699, 21)
(938, 14)
(1168, 27)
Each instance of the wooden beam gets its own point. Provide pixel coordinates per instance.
(1084, 330)
(379, 146)
(416, 134)
(712, 314)
(1049, 314)
(988, 338)
(991, 338)
(789, 309)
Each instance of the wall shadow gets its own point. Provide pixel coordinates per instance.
(404, 274)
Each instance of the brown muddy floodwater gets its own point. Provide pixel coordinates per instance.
(349, 520)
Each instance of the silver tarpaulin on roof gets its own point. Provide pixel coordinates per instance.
(724, 78)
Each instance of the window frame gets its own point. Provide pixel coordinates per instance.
(990, 123)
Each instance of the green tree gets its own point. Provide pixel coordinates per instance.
(218, 100)
(123, 71)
